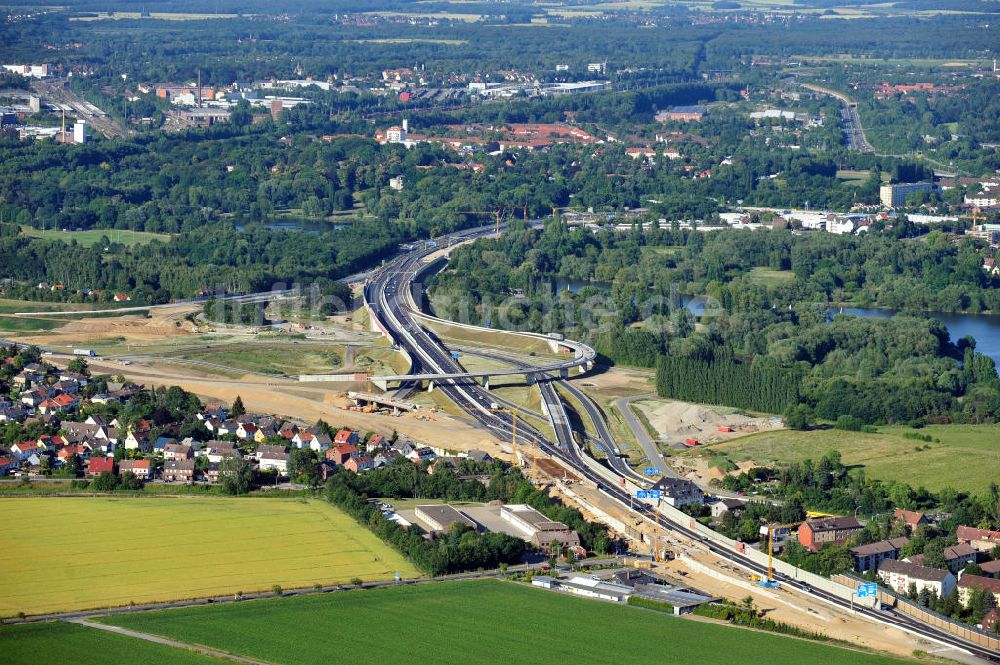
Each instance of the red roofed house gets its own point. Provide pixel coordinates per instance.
(815, 533)
(346, 436)
(376, 441)
(68, 451)
(58, 403)
(98, 465)
(142, 468)
(121, 297)
(341, 453)
(990, 621)
(7, 464)
(24, 449)
(911, 519)
(983, 540)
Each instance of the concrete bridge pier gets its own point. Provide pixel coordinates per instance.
(564, 372)
(430, 386)
(486, 382)
(530, 379)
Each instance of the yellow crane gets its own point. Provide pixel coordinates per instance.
(770, 582)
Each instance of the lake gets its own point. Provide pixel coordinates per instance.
(984, 328)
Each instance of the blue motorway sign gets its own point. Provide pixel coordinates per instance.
(654, 494)
(652, 471)
(642, 494)
(869, 590)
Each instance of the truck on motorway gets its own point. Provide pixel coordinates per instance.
(84, 352)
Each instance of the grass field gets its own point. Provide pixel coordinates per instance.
(769, 277)
(273, 359)
(93, 236)
(24, 324)
(886, 455)
(62, 643)
(99, 552)
(475, 622)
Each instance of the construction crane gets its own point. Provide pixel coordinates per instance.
(770, 582)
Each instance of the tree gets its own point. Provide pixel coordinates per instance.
(236, 475)
(106, 482)
(303, 466)
(78, 365)
(238, 408)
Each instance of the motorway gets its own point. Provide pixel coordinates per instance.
(389, 300)
(854, 132)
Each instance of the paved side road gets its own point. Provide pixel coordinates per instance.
(149, 637)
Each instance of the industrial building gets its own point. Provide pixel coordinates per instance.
(440, 518)
(539, 529)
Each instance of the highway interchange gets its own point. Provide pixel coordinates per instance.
(388, 295)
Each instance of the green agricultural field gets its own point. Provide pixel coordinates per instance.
(93, 236)
(100, 552)
(886, 455)
(485, 621)
(62, 643)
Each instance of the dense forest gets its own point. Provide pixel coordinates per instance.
(743, 317)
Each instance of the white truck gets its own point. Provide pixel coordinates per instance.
(84, 352)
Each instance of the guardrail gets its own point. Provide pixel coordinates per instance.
(924, 615)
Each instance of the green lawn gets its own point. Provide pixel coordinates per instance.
(769, 277)
(64, 643)
(968, 457)
(485, 621)
(93, 236)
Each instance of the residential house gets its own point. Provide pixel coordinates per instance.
(341, 453)
(359, 463)
(246, 430)
(269, 449)
(734, 506)
(226, 427)
(137, 440)
(142, 468)
(422, 454)
(983, 540)
(901, 574)
(376, 442)
(34, 397)
(968, 583)
(990, 621)
(480, 456)
(346, 436)
(161, 443)
(60, 402)
(8, 465)
(77, 431)
(868, 557)
(66, 452)
(404, 448)
(815, 533)
(912, 520)
(318, 441)
(177, 451)
(991, 568)
(51, 442)
(23, 449)
(386, 456)
(98, 465)
(956, 557)
(274, 460)
(178, 470)
(212, 472)
(679, 492)
(12, 413)
(216, 451)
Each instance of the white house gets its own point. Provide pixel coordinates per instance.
(900, 575)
